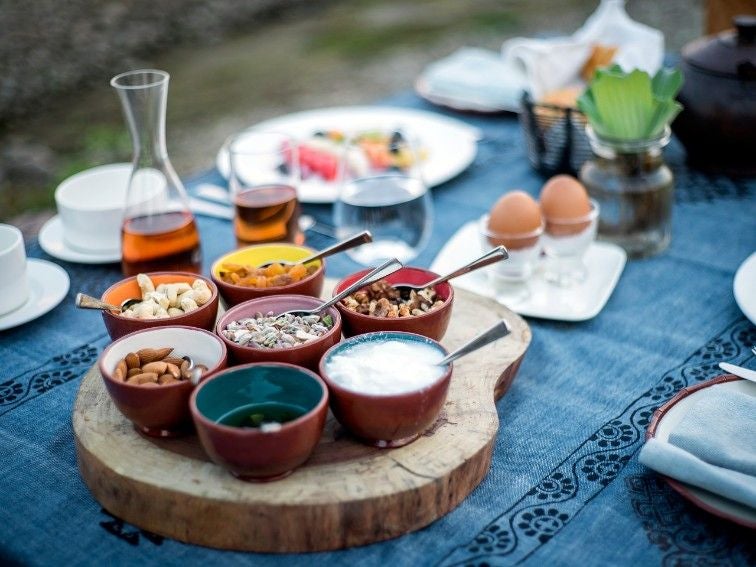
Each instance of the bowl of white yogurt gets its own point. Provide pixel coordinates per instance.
(387, 388)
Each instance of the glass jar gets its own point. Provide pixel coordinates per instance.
(634, 189)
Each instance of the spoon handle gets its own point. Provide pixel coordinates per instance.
(496, 255)
(350, 242)
(499, 330)
(380, 272)
(84, 301)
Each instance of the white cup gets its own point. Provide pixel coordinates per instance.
(14, 285)
(90, 205)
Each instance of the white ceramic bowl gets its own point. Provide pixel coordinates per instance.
(91, 203)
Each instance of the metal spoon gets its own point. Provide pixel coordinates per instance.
(496, 255)
(380, 272)
(195, 371)
(345, 244)
(84, 301)
(499, 330)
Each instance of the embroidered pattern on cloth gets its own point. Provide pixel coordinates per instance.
(687, 535)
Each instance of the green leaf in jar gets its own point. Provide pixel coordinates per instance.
(327, 320)
(631, 106)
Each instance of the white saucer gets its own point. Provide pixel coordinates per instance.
(48, 285)
(51, 240)
(744, 287)
(604, 263)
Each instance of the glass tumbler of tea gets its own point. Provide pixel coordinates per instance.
(382, 190)
(264, 176)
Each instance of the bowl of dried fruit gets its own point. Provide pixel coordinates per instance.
(382, 307)
(257, 271)
(149, 373)
(255, 331)
(167, 298)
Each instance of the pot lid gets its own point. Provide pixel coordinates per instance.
(731, 53)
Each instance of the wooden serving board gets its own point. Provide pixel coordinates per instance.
(347, 494)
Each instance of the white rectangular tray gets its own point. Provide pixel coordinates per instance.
(604, 262)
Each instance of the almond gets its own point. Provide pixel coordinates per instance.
(147, 355)
(173, 370)
(132, 360)
(120, 371)
(167, 379)
(133, 372)
(143, 377)
(158, 367)
(175, 360)
(149, 385)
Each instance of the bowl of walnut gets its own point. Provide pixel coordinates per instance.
(382, 307)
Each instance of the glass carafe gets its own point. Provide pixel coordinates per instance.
(159, 232)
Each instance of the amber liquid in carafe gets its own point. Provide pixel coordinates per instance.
(161, 242)
(267, 214)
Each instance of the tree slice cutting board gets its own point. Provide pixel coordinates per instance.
(347, 494)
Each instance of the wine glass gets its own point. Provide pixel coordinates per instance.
(382, 190)
(263, 181)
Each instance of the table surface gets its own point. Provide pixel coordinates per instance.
(565, 485)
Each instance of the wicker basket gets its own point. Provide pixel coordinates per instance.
(555, 137)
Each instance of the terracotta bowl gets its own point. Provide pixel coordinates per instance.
(117, 326)
(307, 354)
(252, 453)
(162, 411)
(432, 324)
(388, 420)
(259, 254)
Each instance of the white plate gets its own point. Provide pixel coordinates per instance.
(451, 144)
(51, 241)
(674, 411)
(423, 89)
(604, 263)
(48, 285)
(744, 287)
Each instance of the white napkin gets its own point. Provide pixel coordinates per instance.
(555, 63)
(478, 76)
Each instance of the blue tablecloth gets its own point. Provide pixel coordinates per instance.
(565, 486)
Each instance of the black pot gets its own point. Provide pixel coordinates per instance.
(718, 122)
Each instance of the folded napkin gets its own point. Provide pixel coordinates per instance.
(477, 76)
(556, 63)
(713, 446)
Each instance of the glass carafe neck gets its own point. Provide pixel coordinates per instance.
(144, 95)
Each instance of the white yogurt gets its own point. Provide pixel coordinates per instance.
(386, 367)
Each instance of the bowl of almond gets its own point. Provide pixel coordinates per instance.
(150, 375)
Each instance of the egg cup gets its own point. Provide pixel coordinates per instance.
(564, 244)
(510, 278)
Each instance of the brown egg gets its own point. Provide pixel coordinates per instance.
(563, 200)
(515, 213)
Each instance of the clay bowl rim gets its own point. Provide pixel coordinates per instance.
(242, 288)
(183, 383)
(251, 433)
(447, 302)
(365, 337)
(223, 320)
(177, 319)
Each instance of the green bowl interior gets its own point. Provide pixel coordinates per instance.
(270, 385)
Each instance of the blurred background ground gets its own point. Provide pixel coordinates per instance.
(232, 64)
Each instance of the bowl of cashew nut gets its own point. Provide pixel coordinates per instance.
(167, 298)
